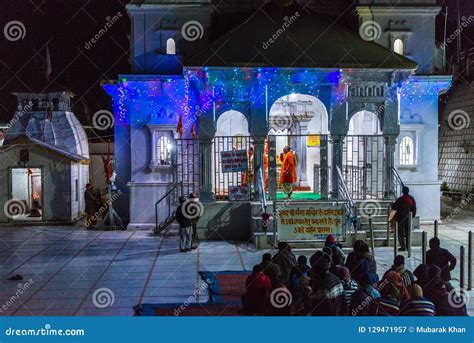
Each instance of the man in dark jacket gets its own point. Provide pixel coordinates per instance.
(404, 205)
(440, 257)
(91, 206)
(185, 226)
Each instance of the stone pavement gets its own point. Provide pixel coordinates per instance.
(72, 271)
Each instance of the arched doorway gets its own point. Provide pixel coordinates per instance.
(232, 136)
(363, 156)
(301, 122)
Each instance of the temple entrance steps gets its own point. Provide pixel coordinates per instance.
(378, 210)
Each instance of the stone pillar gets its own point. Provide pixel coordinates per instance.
(302, 156)
(390, 142)
(337, 146)
(206, 170)
(258, 151)
(272, 170)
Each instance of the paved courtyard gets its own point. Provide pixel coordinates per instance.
(72, 271)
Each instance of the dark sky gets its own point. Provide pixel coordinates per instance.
(65, 26)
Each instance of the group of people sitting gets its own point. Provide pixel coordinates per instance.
(335, 285)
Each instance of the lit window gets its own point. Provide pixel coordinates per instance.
(398, 46)
(407, 154)
(170, 47)
(164, 151)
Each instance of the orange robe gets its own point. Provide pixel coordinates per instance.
(288, 168)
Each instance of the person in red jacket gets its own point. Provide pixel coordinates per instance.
(404, 205)
(258, 287)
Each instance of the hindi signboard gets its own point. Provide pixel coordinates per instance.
(309, 222)
(314, 140)
(234, 161)
(239, 193)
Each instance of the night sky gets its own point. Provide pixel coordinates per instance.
(66, 26)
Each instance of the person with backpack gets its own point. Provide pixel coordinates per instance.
(403, 206)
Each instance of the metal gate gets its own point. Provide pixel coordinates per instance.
(225, 179)
(363, 163)
(187, 166)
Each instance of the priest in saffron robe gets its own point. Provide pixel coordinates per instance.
(288, 171)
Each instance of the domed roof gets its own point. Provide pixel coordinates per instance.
(294, 37)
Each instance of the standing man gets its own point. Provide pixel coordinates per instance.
(288, 171)
(185, 226)
(404, 205)
(91, 201)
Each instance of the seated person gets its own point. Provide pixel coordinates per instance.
(271, 269)
(417, 305)
(258, 287)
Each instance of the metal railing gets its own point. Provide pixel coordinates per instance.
(168, 195)
(261, 189)
(345, 195)
(396, 183)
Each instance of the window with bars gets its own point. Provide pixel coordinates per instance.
(407, 151)
(163, 151)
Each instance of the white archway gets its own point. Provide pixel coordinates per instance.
(299, 120)
(364, 123)
(232, 123)
(232, 134)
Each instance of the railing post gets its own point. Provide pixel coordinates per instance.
(388, 225)
(424, 237)
(461, 267)
(409, 234)
(469, 263)
(395, 238)
(436, 228)
(372, 240)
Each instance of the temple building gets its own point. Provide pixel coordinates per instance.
(216, 94)
(44, 161)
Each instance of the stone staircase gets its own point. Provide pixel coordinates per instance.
(377, 210)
